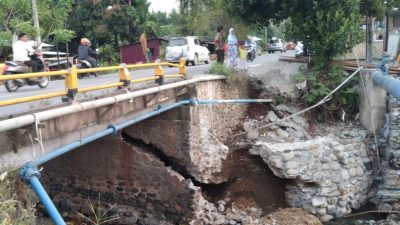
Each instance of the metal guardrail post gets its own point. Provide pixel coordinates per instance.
(159, 73)
(182, 67)
(124, 75)
(71, 84)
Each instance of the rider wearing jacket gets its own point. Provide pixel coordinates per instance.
(86, 53)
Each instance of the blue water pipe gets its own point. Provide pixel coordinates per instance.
(231, 101)
(390, 84)
(31, 174)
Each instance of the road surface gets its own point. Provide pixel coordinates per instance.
(58, 85)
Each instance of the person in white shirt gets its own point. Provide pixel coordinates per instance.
(21, 51)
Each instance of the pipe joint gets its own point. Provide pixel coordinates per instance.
(114, 128)
(28, 171)
(193, 101)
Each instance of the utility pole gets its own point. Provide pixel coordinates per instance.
(35, 18)
(369, 37)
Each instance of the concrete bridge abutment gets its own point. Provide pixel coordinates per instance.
(137, 184)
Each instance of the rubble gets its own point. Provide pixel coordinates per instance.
(225, 213)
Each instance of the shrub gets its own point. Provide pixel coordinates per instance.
(320, 84)
(17, 201)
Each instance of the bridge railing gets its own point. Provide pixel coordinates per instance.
(72, 84)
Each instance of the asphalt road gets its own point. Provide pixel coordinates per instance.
(58, 85)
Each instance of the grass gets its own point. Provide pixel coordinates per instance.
(99, 215)
(220, 69)
(17, 200)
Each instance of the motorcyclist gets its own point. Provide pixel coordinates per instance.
(22, 50)
(251, 45)
(86, 53)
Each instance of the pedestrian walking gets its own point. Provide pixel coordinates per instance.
(219, 44)
(232, 49)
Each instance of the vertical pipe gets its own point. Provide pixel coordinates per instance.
(46, 201)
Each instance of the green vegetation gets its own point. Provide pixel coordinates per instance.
(17, 201)
(220, 69)
(15, 17)
(99, 214)
(320, 85)
(329, 28)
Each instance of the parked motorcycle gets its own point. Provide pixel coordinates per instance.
(251, 51)
(20, 68)
(303, 49)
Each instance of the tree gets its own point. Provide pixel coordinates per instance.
(121, 23)
(191, 14)
(16, 16)
(258, 12)
(332, 27)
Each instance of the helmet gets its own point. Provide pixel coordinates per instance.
(85, 41)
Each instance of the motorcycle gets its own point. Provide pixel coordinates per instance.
(298, 50)
(20, 68)
(302, 50)
(251, 51)
(84, 64)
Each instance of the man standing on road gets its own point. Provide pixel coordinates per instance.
(21, 51)
(219, 44)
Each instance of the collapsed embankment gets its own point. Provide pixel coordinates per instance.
(189, 166)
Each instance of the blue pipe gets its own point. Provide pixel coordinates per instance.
(112, 129)
(30, 174)
(234, 101)
(388, 83)
(154, 113)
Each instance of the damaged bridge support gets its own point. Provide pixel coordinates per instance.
(137, 184)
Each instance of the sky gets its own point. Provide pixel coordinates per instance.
(163, 5)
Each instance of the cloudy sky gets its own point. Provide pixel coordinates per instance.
(163, 5)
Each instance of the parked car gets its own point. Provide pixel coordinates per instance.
(276, 45)
(188, 48)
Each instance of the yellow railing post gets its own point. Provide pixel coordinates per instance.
(124, 75)
(71, 83)
(182, 67)
(159, 73)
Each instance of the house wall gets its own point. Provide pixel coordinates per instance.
(132, 54)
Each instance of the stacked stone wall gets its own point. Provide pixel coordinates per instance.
(388, 195)
(329, 178)
(143, 190)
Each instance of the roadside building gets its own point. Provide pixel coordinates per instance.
(133, 53)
